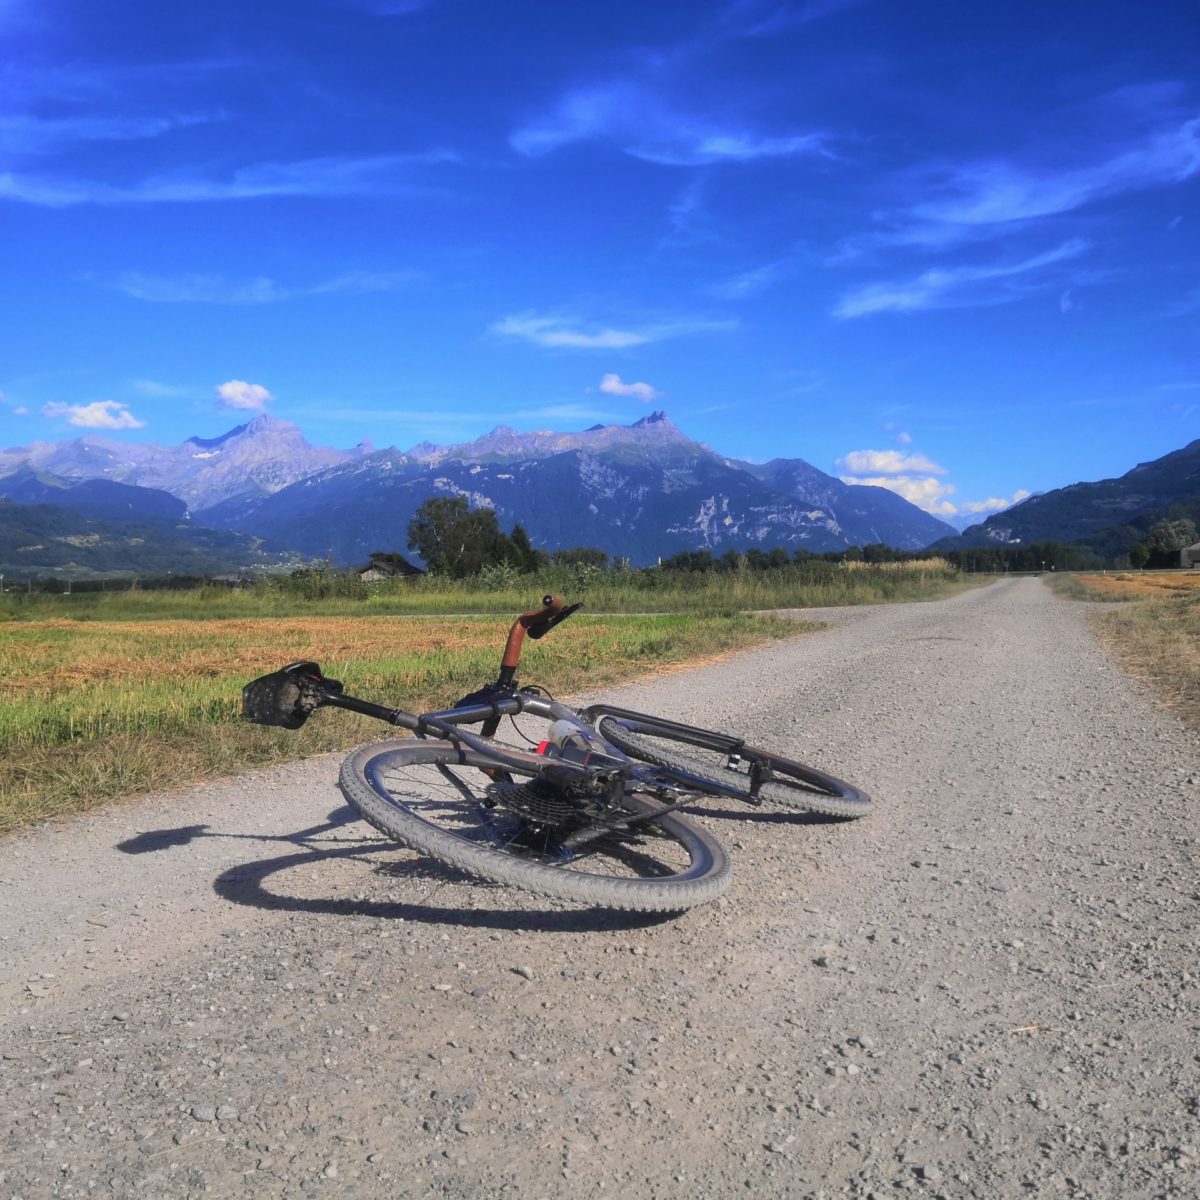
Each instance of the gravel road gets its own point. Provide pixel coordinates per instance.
(985, 989)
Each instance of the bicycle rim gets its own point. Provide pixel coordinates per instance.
(707, 756)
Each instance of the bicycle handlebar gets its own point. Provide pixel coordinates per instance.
(537, 623)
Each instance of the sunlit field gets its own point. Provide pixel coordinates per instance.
(111, 694)
(97, 709)
(1156, 635)
(1139, 585)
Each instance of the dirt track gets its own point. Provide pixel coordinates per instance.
(986, 989)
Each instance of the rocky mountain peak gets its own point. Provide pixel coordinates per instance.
(658, 417)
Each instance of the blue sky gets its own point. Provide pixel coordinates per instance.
(951, 247)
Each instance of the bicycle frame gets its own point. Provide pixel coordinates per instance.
(599, 768)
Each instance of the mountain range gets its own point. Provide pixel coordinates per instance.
(1107, 516)
(640, 491)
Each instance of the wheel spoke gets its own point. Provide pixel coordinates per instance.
(454, 799)
(446, 802)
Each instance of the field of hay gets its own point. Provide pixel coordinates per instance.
(93, 710)
(1141, 585)
(1156, 635)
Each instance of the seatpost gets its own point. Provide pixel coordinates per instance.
(535, 623)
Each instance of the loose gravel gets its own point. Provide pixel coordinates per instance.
(985, 989)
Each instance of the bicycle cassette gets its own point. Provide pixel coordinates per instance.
(540, 801)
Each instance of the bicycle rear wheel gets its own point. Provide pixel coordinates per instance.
(726, 763)
(433, 798)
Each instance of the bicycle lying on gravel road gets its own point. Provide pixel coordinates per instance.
(586, 813)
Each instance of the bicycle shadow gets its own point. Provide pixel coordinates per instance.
(247, 883)
(763, 816)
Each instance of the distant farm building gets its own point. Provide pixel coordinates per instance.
(387, 566)
(1189, 556)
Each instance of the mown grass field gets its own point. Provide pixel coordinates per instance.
(113, 694)
(95, 710)
(1156, 635)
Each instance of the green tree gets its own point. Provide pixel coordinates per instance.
(581, 556)
(456, 540)
(527, 558)
(1166, 538)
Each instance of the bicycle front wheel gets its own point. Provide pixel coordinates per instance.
(728, 765)
(433, 798)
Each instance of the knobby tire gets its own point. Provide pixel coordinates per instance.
(429, 796)
(704, 753)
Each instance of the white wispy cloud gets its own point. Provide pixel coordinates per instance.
(995, 503)
(998, 192)
(391, 8)
(24, 133)
(566, 333)
(216, 289)
(237, 393)
(612, 385)
(1185, 305)
(159, 391)
(691, 223)
(560, 412)
(747, 284)
(640, 124)
(1149, 143)
(925, 491)
(101, 414)
(384, 174)
(887, 462)
(765, 18)
(955, 287)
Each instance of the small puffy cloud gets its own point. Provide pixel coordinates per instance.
(611, 385)
(237, 393)
(925, 491)
(887, 462)
(903, 438)
(101, 414)
(994, 503)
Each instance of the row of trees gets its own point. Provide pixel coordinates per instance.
(755, 559)
(1035, 556)
(455, 540)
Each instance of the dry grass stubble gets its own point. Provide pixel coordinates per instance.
(100, 711)
(1155, 636)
